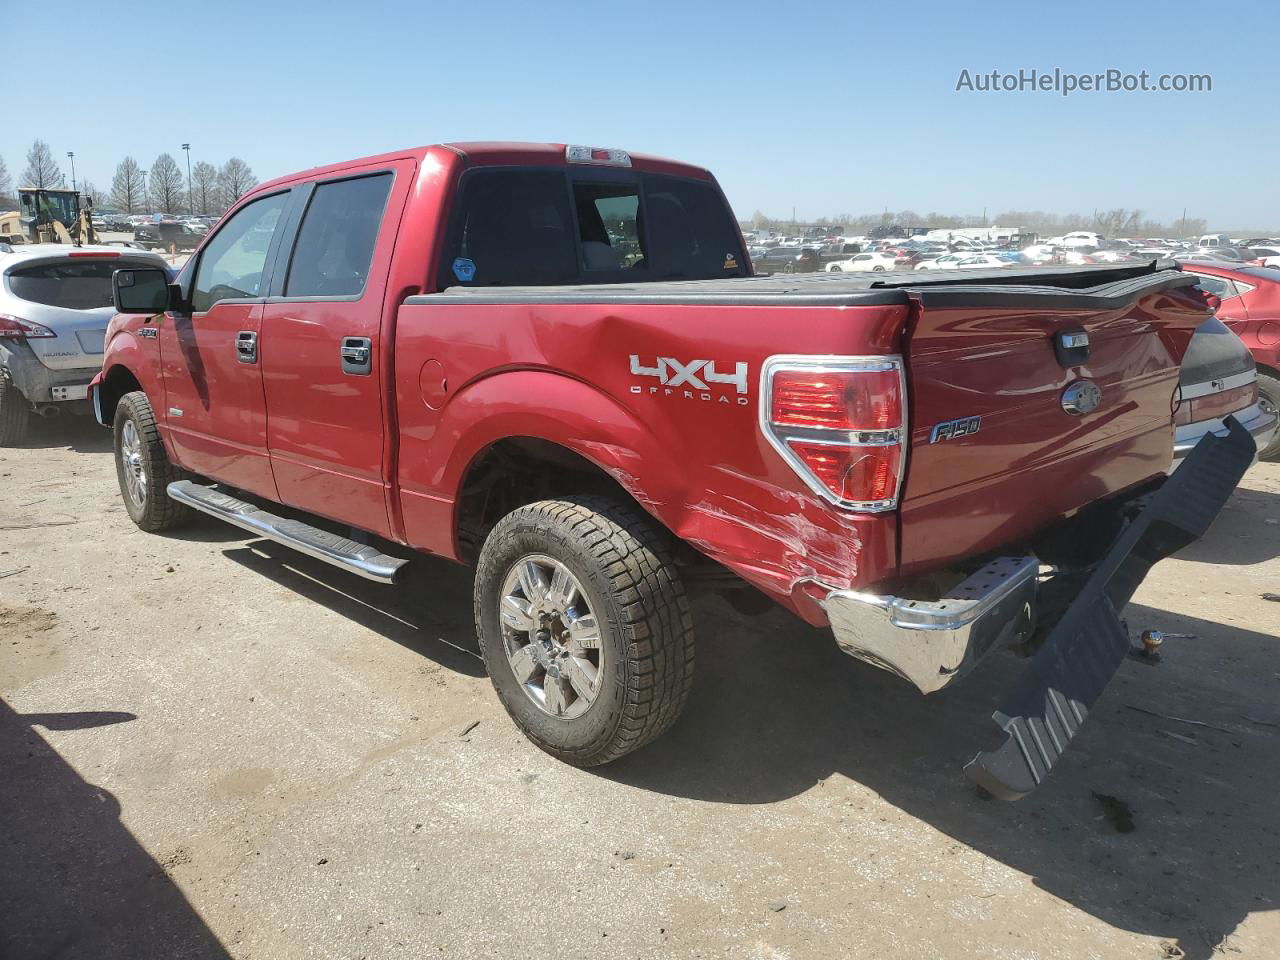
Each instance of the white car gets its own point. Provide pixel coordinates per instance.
(864, 262)
(1042, 252)
(948, 261)
(982, 260)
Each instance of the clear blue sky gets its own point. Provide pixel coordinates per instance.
(842, 106)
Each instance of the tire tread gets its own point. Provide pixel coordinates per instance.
(657, 622)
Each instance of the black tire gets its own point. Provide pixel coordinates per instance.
(628, 579)
(153, 510)
(1269, 400)
(788, 268)
(15, 413)
(835, 270)
(877, 269)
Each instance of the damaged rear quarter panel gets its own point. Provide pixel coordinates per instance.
(676, 427)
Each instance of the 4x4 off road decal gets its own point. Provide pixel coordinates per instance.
(692, 380)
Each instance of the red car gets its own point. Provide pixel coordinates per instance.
(552, 363)
(1251, 310)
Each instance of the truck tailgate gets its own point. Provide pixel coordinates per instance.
(997, 448)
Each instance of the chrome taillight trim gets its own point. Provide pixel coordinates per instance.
(830, 436)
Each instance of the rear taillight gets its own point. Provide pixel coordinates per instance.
(1215, 405)
(15, 328)
(839, 422)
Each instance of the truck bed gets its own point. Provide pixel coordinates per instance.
(1090, 284)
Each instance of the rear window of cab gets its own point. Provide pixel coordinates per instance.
(514, 226)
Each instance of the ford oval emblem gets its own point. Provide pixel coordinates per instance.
(1081, 397)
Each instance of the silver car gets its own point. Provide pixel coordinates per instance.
(1218, 377)
(55, 303)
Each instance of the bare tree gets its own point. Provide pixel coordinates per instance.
(235, 179)
(87, 189)
(42, 170)
(204, 188)
(127, 186)
(166, 183)
(8, 199)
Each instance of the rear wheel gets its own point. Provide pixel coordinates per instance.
(1269, 401)
(877, 269)
(584, 626)
(15, 412)
(788, 268)
(143, 467)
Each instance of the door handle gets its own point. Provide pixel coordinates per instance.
(357, 356)
(247, 346)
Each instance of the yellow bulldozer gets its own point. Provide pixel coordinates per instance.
(55, 216)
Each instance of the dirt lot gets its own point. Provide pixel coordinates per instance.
(211, 747)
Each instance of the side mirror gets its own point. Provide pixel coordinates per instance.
(144, 290)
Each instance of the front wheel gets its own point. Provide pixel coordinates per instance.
(143, 467)
(585, 627)
(1269, 402)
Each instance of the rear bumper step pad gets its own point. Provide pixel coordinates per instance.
(1051, 700)
(359, 558)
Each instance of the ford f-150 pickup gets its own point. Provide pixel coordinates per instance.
(554, 363)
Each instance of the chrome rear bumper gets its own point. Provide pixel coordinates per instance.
(932, 643)
(1257, 423)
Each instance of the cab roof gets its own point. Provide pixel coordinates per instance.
(490, 152)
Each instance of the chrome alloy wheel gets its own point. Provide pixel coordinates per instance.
(551, 637)
(1267, 406)
(135, 473)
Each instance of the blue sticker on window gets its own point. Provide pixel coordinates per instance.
(464, 269)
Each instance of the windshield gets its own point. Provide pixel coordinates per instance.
(79, 284)
(53, 205)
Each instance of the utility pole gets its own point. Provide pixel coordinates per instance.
(191, 204)
(71, 155)
(146, 202)
(1182, 226)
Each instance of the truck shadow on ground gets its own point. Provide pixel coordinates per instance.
(79, 433)
(777, 709)
(429, 612)
(75, 882)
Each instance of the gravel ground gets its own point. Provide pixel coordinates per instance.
(211, 747)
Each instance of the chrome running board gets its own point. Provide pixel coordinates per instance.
(358, 558)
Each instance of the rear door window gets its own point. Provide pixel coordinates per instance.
(335, 242)
(79, 284)
(1220, 287)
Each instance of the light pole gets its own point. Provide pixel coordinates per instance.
(146, 203)
(191, 203)
(71, 155)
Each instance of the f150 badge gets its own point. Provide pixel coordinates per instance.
(692, 380)
(954, 429)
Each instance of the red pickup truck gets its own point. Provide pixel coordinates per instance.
(554, 363)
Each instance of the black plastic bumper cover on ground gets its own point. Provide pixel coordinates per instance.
(1050, 701)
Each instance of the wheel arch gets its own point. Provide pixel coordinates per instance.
(559, 436)
(117, 380)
